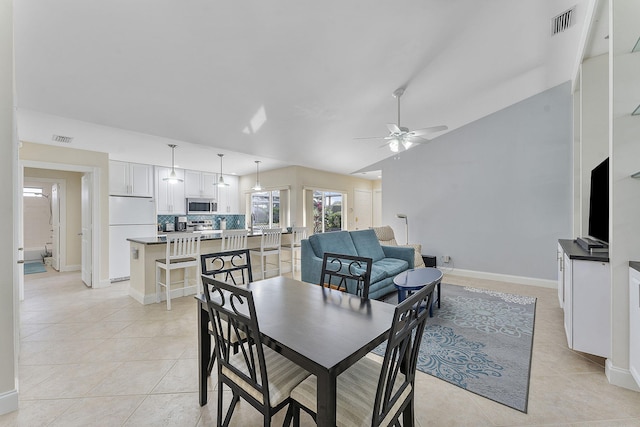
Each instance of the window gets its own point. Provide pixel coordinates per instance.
(32, 192)
(265, 209)
(327, 211)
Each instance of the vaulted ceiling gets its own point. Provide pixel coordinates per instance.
(288, 82)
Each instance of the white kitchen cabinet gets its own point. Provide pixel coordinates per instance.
(170, 198)
(130, 179)
(587, 299)
(200, 185)
(634, 324)
(228, 197)
(560, 259)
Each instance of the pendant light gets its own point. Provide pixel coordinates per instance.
(221, 182)
(257, 187)
(172, 178)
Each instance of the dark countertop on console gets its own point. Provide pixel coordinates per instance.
(212, 235)
(574, 251)
(635, 265)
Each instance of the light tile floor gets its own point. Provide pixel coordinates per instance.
(96, 357)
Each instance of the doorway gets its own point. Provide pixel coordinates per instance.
(75, 230)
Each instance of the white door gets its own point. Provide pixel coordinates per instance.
(19, 201)
(377, 208)
(362, 209)
(55, 226)
(85, 199)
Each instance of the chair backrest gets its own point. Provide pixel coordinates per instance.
(385, 235)
(297, 234)
(397, 376)
(339, 269)
(232, 310)
(271, 238)
(183, 246)
(235, 266)
(233, 240)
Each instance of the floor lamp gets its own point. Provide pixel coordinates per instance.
(406, 224)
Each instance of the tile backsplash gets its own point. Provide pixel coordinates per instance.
(234, 221)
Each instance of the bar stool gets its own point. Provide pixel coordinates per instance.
(233, 240)
(270, 244)
(297, 234)
(182, 252)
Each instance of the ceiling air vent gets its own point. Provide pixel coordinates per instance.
(562, 22)
(60, 138)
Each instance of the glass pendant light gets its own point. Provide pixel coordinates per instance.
(221, 182)
(173, 177)
(257, 187)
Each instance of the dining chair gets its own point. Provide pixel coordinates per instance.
(232, 267)
(338, 270)
(233, 240)
(257, 374)
(294, 246)
(182, 252)
(370, 393)
(270, 244)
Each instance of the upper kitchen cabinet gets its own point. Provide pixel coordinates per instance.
(170, 198)
(229, 197)
(130, 179)
(200, 185)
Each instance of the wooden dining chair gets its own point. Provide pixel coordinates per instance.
(370, 393)
(339, 270)
(270, 243)
(182, 252)
(231, 267)
(256, 373)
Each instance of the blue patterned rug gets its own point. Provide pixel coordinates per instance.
(480, 340)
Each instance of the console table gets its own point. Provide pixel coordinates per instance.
(584, 292)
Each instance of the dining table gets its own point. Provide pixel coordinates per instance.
(323, 330)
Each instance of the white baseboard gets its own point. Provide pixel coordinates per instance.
(71, 268)
(620, 377)
(151, 299)
(521, 280)
(8, 402)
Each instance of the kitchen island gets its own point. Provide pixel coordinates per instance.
(146, 250)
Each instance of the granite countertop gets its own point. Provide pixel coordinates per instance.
(635, 265)
(574, 251)
(206, 235)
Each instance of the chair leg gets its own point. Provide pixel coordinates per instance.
(264, 273)
(288, 416)
(232, 406)
(167, 286)
(158, 284)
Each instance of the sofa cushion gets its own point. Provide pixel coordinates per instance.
(367, 244)
(337, 242)
(391, 266)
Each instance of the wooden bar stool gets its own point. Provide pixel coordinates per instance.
(183, 252)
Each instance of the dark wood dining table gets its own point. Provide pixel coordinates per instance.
(325, 331)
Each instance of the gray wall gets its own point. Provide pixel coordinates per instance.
(495, 195)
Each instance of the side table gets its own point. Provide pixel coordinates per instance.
(416, 279)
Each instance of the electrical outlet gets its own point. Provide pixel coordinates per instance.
(446, 259)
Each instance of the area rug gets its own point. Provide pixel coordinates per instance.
(34, 267)
(481, 341)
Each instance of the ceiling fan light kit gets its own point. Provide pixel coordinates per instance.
(172, 178)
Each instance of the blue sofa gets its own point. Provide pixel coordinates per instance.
(388, 261)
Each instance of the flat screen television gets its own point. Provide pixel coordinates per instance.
(599, 202)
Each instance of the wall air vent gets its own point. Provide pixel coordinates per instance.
(60, 138)
(562, 22)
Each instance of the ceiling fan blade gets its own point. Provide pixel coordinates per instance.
(418, 139)
(393, 128)
(431, 129)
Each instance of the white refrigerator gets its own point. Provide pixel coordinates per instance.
(128, 217)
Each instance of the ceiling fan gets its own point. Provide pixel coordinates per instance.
(402, 135)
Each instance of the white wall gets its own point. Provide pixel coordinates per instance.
(8, 258)
(496, 194)
(624, 152)
(37, 217)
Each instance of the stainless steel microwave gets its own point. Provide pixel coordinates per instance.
(201, 206)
